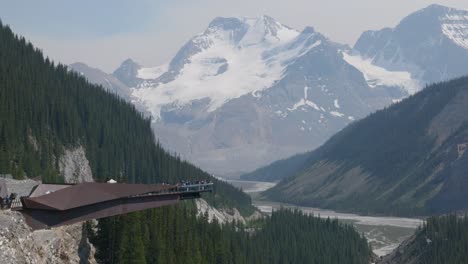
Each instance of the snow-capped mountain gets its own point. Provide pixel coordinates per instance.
(248, 91)
(430, 44)
(233, 57)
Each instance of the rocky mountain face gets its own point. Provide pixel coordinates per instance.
(127, 73)
(74, 166)
(409, 159)
(18, 244)
(407, 252)
(248, 91)
(431, 44)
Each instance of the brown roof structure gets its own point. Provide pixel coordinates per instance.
(51, 205)
(65, 197)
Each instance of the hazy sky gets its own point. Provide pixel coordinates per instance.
(102, 33)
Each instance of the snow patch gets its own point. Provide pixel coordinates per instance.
(305, 102)
(335, 102)
(455, 27)
(286, 54)
(337, 114)
(378, 76)
(151, 73)
(256, 94)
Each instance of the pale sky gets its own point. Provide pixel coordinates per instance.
(103, 33)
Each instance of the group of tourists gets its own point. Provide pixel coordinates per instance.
(188, 183)
(5, 202)
(187, 186)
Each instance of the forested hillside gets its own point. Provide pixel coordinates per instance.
(169, 235)
(441, 240)
(408, 159)
(45, 108)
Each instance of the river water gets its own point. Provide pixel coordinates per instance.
(384, 233)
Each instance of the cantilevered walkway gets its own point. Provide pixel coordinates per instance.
(51, 205)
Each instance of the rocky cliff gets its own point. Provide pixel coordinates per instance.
(19, 244)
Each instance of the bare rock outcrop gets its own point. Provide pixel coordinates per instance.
(18, 244)
(74, 166)
(221, 216)
(407, 252)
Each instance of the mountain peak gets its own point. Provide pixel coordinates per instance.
(269, 22)
(308, 30)
(226, 23)
(437, 20)
(435, 11)
(436, 7)
(239, 32)
(265, 21)
(229, 23)
(129, 62)
(127, 72)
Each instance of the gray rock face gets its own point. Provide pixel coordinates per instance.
(18, 244)
(127, 73)
(74, 166)
(432, 44)
(221, 216)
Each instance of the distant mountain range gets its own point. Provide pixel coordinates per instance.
(248, 91)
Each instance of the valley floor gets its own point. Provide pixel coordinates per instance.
(384, 233)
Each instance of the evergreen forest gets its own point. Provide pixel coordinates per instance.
(176, 235)
(444, 239)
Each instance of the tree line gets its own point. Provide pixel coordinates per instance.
(177, 235)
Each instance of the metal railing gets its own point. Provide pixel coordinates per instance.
(16, 204)
(181, 189)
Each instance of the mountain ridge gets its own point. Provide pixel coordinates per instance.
(414, 45)
(411, 168)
